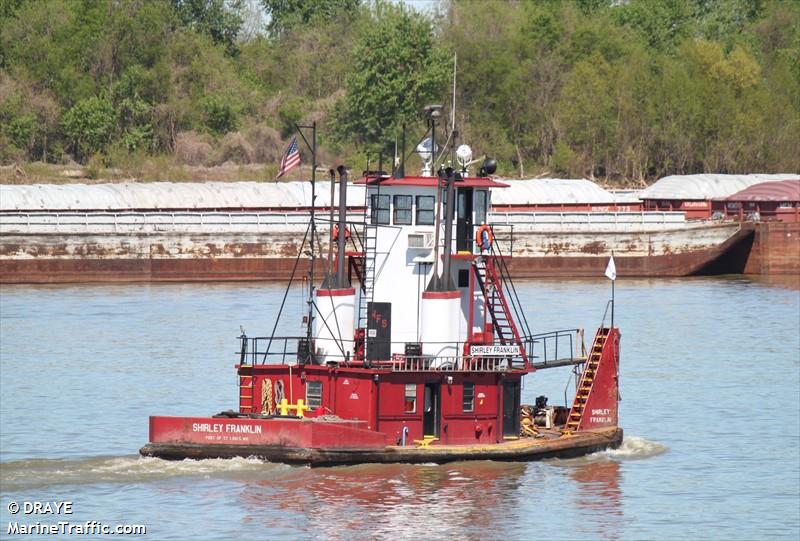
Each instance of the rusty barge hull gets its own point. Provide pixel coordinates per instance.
(55, 271)
(523, 450)
(269, 253)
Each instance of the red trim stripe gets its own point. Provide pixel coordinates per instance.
(336, 292)
(441, 295)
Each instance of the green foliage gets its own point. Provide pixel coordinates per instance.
(221, 116)
(621, 90)
(290, 113)
(397, 69)
(220, 19)
(89, 126)
(288, 15)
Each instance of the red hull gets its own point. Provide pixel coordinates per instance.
(327, 444)
(288, 432)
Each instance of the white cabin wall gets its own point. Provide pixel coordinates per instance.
(402, 274)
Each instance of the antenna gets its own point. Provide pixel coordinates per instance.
(453, 113)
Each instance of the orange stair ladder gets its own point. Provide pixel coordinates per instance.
(586, 382)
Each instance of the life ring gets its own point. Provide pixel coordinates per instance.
(336, 232)
(479, 235)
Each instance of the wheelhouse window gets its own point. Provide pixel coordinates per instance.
(461, 211)
(480, 207)
(402, 209)
(410, 405)
(468, 402)
(425, 209)
(314, 394)
(380, 205)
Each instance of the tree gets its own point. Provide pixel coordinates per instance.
(397, 69)
(588, 114)
(286, 15)
(220, 19)
(90, 125)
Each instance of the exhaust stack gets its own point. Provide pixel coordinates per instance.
(342, 240)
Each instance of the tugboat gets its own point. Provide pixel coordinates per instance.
(425, 364)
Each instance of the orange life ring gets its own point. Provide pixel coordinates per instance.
(336, 232)
(479, 234)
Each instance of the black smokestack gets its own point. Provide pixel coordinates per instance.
(340, 279)
(447, 282)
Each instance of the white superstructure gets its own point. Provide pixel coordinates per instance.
(402, 213)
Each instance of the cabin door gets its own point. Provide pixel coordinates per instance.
(430, 410)
(511, 401)
(464, 231)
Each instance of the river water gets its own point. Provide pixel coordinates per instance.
(710, 384)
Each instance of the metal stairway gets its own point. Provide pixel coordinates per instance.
(367, 272)
(491, 286)
(586, 382)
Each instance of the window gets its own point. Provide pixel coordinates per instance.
(463, 277)
(314, 394)
(380, 209)
(410, 398)
(468, 403)
(425, 210)
(402, 209)
(480, 207)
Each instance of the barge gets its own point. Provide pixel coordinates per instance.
(425, 362)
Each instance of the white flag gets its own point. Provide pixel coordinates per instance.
(611, 269)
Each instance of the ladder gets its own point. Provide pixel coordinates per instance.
(497, 305)
(586, 382)
(367, 272)
(245, 387)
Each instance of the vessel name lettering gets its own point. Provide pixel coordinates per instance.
(601, 416)
(228, 428)
(494, 350)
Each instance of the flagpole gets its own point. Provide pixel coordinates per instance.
(313, 148)
(314, 228)
(613, 282)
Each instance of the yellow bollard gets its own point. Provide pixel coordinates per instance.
(301, 407)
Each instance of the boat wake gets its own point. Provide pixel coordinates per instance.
(634, 448)
(37, 473)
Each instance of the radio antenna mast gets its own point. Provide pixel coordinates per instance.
(453, 112)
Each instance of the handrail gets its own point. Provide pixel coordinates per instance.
(505, 276)
(605, 313)
(280, 349)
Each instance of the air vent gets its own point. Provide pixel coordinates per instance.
(420, 240)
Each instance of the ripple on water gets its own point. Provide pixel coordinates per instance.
(19, 475)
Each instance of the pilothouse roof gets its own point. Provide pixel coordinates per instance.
(429, 182)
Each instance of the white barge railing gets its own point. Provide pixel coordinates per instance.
(270, 221)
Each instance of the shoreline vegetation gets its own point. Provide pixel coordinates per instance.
(189, 90)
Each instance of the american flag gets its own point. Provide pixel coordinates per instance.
(291, 159)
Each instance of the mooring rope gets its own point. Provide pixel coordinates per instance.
(279, 391)
(267, 406)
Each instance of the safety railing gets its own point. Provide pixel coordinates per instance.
(556, 348)
(545, 350)
(407, 363)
